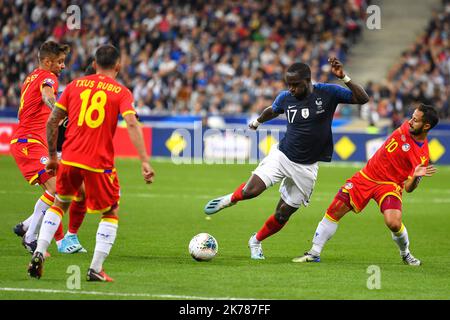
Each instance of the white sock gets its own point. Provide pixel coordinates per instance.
(106, 234)
(402, 240)
(39, 210)
(50, 224)
(26, 223)
(325, 230)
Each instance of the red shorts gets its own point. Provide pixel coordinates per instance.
(101, 188)
(361, 189)
(31, 158)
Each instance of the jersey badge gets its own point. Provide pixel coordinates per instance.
(305, 113)
(348, 185)
(44, 160)
(406, 147)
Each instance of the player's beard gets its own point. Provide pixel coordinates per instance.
(416, 132)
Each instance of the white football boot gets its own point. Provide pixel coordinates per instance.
(410, 260)
(307, 257)
(255, 246)
(218, 204)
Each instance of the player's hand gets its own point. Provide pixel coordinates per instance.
(421, 171)
(253, 125)
(147, 172)
(336, 67)
(51, 166)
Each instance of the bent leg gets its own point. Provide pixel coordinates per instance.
(50, 224)
(272, 225)
(276, 221)
(41, 206)
(391, 209)
(329, 224)
(77, 212)
(254, 187)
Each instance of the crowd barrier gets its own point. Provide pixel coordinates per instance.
(199, 144)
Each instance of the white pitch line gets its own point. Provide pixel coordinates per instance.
(119, 294)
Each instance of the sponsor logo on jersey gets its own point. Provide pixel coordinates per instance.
(44, 160)
(423, 159)
(305, 113)
(403, 138)
(406, 147)
(290, 107)
(319, 106)
(348, 185)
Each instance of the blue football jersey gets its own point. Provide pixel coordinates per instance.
(308, 138)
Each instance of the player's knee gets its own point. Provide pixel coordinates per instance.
(251, 191)
(339, 207)
(281, 217)
(113, 213)
(283, 213)
(50, 188)
(394, 225)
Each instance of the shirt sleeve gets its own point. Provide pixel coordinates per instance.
(341, 94)
(278, 105)
(52, 82)
(126, 104)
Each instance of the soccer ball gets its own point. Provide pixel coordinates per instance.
(203, 247)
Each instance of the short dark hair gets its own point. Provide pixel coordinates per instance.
(430, 115)
(89, 67)
(52, 49)
(107, 56)
(301, 69)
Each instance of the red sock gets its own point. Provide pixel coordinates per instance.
(77, 211)
(237, 194)
(59, 234)
(270, 227)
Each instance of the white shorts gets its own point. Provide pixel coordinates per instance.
(298, 179)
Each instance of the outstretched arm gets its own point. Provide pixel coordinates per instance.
(266, 115)
(136, 137)
(360, 96)
(419, 172)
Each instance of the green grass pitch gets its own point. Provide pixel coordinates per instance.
(150, 258)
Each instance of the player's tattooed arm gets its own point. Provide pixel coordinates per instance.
(52, 130)
(360, 95)
(48, 97)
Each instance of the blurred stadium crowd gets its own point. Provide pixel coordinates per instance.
(219, 57)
